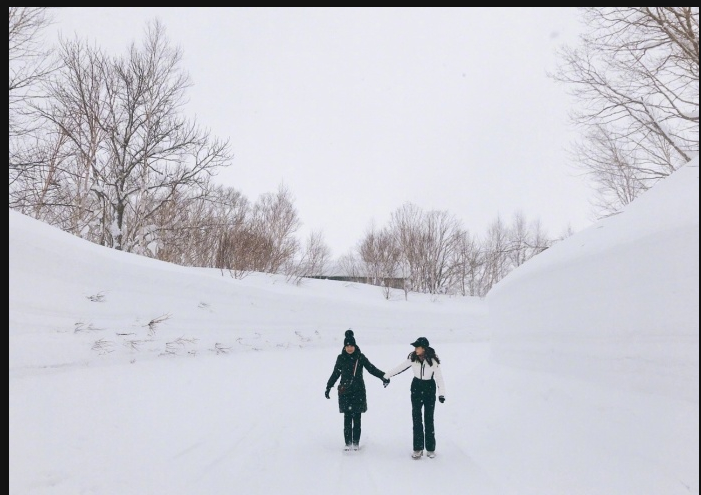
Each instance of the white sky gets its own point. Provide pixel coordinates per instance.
(578, 374)
(359, 110)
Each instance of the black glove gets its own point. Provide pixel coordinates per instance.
(385, 382)
(441, 399)
(326, 394)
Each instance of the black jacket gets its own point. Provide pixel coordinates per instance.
(354, 399)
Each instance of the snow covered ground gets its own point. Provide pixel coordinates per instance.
(578, 374)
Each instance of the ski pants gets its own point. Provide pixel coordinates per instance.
(351, 427)
(423, 404)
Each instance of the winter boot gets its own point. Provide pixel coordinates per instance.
(431, 453)
(417, 454)
(356, 446)
(348, 447)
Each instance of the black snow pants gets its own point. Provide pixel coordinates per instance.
(423, 404)
(351, 427)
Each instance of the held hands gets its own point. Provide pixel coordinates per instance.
(326, 394)
(441, 399)
(385, 382)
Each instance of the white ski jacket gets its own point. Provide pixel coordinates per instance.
(423, 371)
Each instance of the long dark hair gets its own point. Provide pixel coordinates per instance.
(429, 355)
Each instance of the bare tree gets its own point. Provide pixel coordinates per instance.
(612, 169)
(406, 225)
(440, 240)
(538, 239)
(381, 256)
(525, 240)
(313, 260)
(58, 190)
(30, 63)
(467, 265)
(194, 231)
(636, 75)
(30, 60)
(427, 242)
(350, 266)
(130, 147)
(518, 240)
(315, 255)
(238, 251)
(274, 223)
(496, 260)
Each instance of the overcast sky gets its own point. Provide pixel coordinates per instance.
(578, 374)
(360, 110)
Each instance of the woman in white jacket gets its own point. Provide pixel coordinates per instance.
(427, 383)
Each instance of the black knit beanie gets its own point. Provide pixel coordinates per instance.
(349, 340)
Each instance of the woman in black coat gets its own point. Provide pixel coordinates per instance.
(352, 399)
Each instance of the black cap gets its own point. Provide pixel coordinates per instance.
(349, 340)
(421, 342)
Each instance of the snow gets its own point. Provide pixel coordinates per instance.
(578, 374)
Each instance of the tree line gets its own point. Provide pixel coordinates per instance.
(431, 252)
(100, 147)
